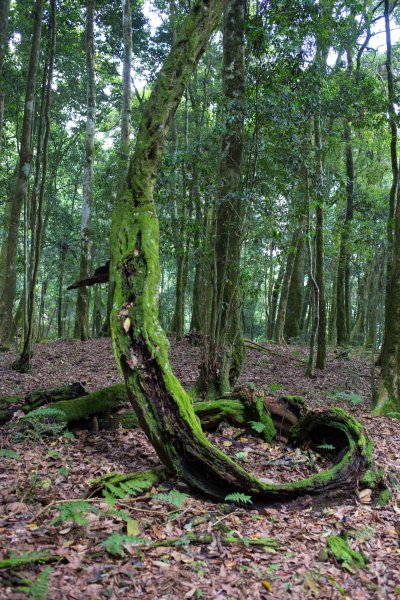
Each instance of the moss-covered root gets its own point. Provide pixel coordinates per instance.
(337, 428)
(245, 408)
(120, 485)
(96, 403)
(341, 551)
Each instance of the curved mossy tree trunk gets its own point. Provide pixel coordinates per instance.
(163, 408)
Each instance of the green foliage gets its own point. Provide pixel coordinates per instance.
(341, 551)
(238, 498)
(74, 511)
(6, 453)
(326, 447)
(116, 542)
(36, 589)
(349, 397)
(40, 423)
(257, 426)
(25, 559)
(274, 387)
(174, 497)
(241, 455)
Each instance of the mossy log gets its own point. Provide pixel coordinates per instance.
(94, 404)
(37, 398)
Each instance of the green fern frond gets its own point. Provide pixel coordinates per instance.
(174, 497)
(238, 498)
(74, 511)
(257, 426)
(115, 544)
(38, 589)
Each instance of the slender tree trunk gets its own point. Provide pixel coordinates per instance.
(4, 10)
(10, 242)
(296, 293)
(42, 304)
(63, 249)
(83, 297)
(225, 348)
(23, 362)
(320, 362)
(287, 278)
(126, 118)
(343, 274)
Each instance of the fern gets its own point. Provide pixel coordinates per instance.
(115, 544)
(38, 588)
(350, 397)
(26, 559)
(238, 498)
(257, 426)
(174, 497)
(326, 447)
(122, 489)
(74, 511)
(40, 423)
(6, 453)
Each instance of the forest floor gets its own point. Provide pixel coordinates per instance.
(43, 473)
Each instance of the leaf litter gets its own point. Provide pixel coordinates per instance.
(36, 482)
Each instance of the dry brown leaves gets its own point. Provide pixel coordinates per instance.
(59, 470)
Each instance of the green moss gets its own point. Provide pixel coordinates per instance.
(341, 551)
(96, 403)
(384, 497)
(128, 419)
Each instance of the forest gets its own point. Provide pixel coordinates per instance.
(199, 299)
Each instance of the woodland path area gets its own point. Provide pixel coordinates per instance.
(298, 567)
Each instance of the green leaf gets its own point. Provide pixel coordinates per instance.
(174, 497)
(132, 527)
(238, 498)
(257, 426)
(6, 453)
(114, 545)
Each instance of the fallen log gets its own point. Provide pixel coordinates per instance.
(37, 398)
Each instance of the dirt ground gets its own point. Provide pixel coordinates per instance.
(44, 473)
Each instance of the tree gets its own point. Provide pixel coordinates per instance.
(18, 197)
(163, 408)
(82, 300)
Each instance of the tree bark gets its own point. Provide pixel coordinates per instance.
(83, 296)
(16, 201)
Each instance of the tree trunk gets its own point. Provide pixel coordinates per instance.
(10, 243)
(163, 408)
(83, 297)
(4, 10)
(343, 274)
(296, 293)
(23, 362)
(225, 349)
(126, 118)
(320, 362)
